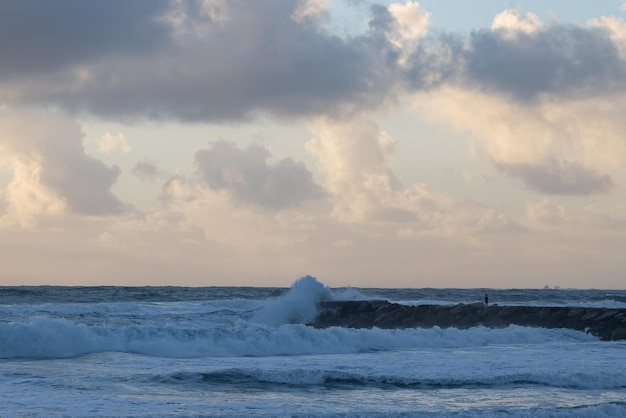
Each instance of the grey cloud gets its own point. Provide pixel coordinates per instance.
(562, 60)
(81, 180)
(39, 36)
(437, 62)
(145, 171)
(260, 60)
(84, 183)
(247, 176)
(257, 59)
(560, 178)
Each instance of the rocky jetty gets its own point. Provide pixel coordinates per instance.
(605, 323)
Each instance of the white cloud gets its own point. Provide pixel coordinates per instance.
(616, 28)
(311, 10)
(513, 23)
(354, 157)
(110, 143)
(199, 236)
(50, 168)
(555, 147)
(26, 197)
(412, 23)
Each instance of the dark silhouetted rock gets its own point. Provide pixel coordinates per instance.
(605, 323)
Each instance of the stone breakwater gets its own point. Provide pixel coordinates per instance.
(605, 323)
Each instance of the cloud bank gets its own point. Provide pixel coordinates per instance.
(540, 102)
(235, 60)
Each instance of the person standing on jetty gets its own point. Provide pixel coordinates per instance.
(486, 299)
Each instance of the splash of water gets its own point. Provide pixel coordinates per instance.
(297, 306)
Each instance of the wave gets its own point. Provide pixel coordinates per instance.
(45, 337)
(342, 380)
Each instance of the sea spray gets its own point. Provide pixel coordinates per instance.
(297, 306)
(349, 293)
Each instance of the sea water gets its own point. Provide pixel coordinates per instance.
(235, 352)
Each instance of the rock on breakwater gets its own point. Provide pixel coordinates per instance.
(605, 323)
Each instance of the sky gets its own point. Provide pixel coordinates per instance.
(368, 143)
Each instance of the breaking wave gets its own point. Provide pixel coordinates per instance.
(60, 338)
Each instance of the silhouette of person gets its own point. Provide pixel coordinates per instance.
(486, 299)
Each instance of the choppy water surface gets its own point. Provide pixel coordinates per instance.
(163, 351)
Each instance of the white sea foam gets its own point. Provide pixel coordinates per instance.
(298, 305)
(60, 338)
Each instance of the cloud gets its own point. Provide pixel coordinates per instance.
(233, 59)
(312, 237)
(616, 29)
(311, 10)
(246, 175)
(411, 24)
(26, 197)
(38, 37)
(520, 76)
(146, 170)
(354, 156)
(542, 102)
(561, 177)
(611, 216)
(513, 24)
(110, 143)
(567, 147)
(50, 168)
(216, 61)
(524, 59)
(546, 212)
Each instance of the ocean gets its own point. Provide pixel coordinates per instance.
(247, 351)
